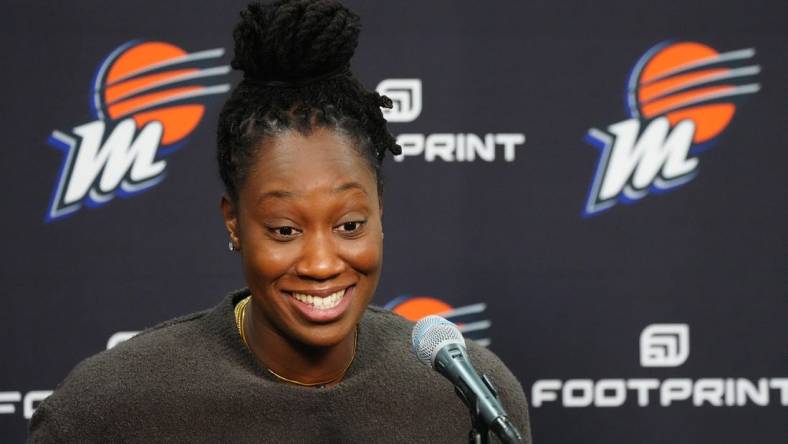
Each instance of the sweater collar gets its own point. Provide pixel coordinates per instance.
(221, 319)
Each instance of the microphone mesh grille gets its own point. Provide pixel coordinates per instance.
(430, 333)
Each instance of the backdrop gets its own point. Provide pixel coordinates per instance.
(595, 190)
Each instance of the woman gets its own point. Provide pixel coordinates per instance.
(298, 356)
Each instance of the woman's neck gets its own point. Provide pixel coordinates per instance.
(289, 360)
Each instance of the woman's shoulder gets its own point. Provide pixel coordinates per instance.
(187, 337)
(393, 328)
(388, 325)
(91, 392)
(162, 342)
(387, 322)
(392, 325)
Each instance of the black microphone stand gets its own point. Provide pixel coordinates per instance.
(480, 432)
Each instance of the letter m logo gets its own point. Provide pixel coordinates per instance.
(631, 166)
(94, 173)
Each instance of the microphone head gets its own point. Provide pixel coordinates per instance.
(430, 335)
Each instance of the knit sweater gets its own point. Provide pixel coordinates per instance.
(191, 379)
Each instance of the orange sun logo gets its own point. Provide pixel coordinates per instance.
(146, 98)
(693, 81)
(681, 96)
(469, 318)
(157, 81)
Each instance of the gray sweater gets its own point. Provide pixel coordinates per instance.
(191, 379)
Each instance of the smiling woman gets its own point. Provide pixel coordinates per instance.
(308, 226)
(298, 355)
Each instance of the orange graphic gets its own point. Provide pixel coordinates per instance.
(419, 307)
(669, 85)
(128, 85)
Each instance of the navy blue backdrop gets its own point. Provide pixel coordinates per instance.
(596, 190)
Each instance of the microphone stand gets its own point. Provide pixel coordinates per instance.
(480, 432)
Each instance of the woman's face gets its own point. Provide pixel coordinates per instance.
(308, 224)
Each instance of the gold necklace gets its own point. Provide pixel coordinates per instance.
(240, 311)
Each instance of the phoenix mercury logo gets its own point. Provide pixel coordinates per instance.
(146, 98)
(681, 96)
(468, 318)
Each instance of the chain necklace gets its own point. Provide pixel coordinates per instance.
(240, 311)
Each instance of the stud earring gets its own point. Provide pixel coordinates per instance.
(231, 246)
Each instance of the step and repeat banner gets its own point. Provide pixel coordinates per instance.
(594, 190)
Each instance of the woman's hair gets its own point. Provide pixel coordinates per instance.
(295, 56)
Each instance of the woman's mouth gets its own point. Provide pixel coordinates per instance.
(323, 305)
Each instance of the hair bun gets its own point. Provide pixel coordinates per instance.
(291, 40)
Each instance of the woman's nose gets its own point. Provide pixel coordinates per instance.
(319, 258)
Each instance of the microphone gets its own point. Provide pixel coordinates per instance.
(439, 344)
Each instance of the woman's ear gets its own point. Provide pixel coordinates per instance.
(230, 213)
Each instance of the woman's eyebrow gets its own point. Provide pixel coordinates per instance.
(348, 186)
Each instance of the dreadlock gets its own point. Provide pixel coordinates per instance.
(295, 56)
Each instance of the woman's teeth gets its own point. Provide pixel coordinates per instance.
(321, 303)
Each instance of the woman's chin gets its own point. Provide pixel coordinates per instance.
(325, 336)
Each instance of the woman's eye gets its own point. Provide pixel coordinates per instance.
(283, 232)
(351, 227)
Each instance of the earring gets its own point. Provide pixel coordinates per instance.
(382, 235)
(231, 246)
